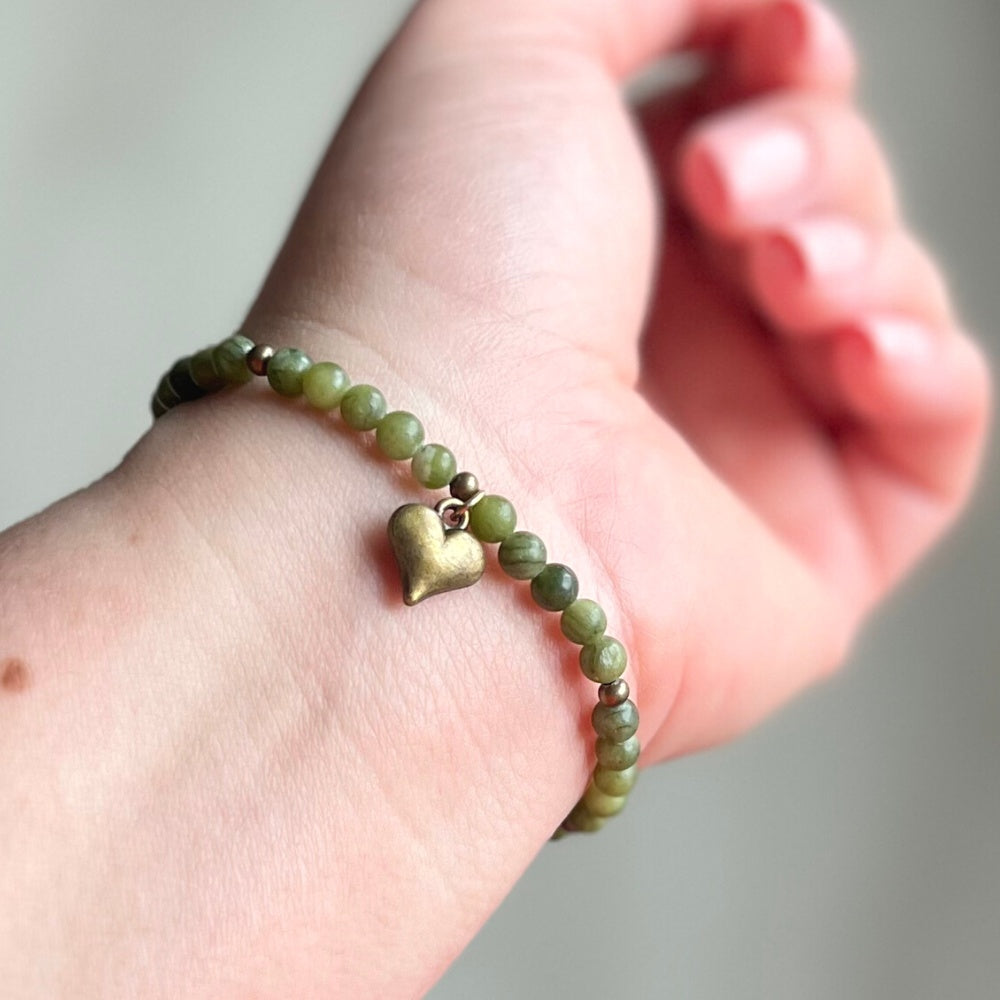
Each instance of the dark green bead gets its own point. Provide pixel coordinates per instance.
(230, 359)
(614, 782)
(182, 383)
(166, 394)
(555, 587)
(522, 555)
(615, 722)
(582, 819)
(603, 660)
(492, 518)
(399, 434)
(362, 407)
(324, 385)
(583, 621)
(433, 466)
(617, 756)
(285, 371)
(203, 370)
(599, 803)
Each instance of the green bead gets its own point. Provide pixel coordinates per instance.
(582, 819)
(182, 383)
(203, 370)
(362, 407)
(614, 782)
(615, 722)
(434, 466)
(324, 385)
(583, 621)
(603, 660)
(285, 371)
(522, 555)
(555, 587)
(617, 756)
(399, 434)
(492, 518)
(600, 803)
(230, 359)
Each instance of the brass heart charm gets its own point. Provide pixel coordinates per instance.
(432, 559)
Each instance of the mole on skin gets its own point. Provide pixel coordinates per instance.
(14, 676)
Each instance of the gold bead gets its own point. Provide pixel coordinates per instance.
(259, 357)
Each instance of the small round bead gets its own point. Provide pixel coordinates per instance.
(583, 621)
(613, 693)
(182, 383)
(433, 466)
(603, 660)
(555, 587)
(617, 756)
(285, 371)
(203, 370)
(259, 358)
(613, 782)
(464, 486)
(615, 722)
(492, 519)
(522, 555)
(399, 434)
(324, 385)
(362, 407)
(230, 359)
(600, 803)
(582, 819)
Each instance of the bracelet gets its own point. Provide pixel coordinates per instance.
(438, 548)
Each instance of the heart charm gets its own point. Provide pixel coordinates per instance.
(432, 558)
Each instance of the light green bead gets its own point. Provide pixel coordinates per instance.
(583, 621)
(399, 434)
(492, 518)
(362, 407)
(324, 385)
(582, 819)
(613, 782)
(522, 555)
(600, 803)
(434, 466)
(555, 588)
(230, 359)
(615, 722)
(603, 660)
(617, 756)
(285, 371)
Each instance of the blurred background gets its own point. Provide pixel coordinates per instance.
(151, 157)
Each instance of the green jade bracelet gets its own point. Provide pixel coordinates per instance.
(438, 548)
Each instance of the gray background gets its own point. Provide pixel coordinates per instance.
(151, 156)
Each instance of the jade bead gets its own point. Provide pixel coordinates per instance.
(582, 819)
(617, 756)
(615, 722)
(203, 370)
(555, 588)
(600, 803)
(324, 385)
(522, 555)
(230, 359)
(285, 371)
(583, 621)
(399, 434)
(613, 782)
(434, 466)
(362, 407)
(492, 518)
(183, 383)
(603, 659)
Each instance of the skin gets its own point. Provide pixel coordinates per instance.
(238, 765)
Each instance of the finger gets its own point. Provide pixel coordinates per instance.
(823, 269)
(774, 158)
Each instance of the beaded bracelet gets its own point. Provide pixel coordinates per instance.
(438, 548)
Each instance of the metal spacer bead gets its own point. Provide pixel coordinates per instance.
(613, 693)
(464, 487)
(259, 357)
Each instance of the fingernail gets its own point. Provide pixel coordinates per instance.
(746, 166)
(821, 249)
(788, 27)
(895, 340)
